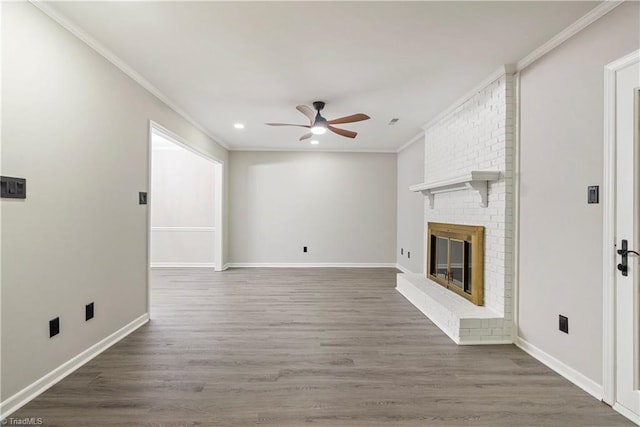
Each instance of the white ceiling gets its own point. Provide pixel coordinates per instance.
(253, 62)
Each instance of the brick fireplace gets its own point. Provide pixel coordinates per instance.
(469, 181)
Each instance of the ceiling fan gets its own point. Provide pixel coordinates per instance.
(319, 125)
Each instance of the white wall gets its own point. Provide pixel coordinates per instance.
(182, 206)
(411, 225)
(77, 128)
(561, 154)
(478, 135)
(341, 205)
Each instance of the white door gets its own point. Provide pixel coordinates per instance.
(627, 285)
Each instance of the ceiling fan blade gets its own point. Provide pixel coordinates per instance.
(349, 119)
(343, 132)
(287, 124)
(307, 111)
(305, 136)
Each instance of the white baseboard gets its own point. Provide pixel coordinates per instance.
(309, 265)
(225, 266)
(626, 412)
(182, 265)
(469, 341)
(566, 371)
(403, 269)
(27, 394)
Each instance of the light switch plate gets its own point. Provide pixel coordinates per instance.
(593, 194)
(13, 188)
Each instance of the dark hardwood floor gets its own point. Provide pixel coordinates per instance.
(291, 347)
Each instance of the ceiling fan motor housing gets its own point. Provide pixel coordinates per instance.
(318, 105)
(320, 121)
(319, 125)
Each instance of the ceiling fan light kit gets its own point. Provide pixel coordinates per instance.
(318, 125)
(318, 130)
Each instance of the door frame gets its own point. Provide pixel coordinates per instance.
(609, 238)
(218, 198)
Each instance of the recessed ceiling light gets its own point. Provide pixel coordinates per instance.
(238, 126)
(314, 142)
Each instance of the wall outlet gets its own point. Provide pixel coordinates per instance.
(304, 249)
(401, 251)
(563, 324)
(54, 327)
(142, 197)
(408, 254)
(88, 311)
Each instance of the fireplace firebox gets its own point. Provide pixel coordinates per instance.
(455, 258)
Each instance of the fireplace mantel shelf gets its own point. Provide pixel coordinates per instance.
(474, 180)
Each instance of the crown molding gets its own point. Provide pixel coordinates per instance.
(411, 141)
(592, 16)
(122, 65)
(501, 71)
(564, 35)
(596, 13)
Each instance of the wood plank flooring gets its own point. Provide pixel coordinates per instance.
(292, 347)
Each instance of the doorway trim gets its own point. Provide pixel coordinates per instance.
(609, 237)
(218, 198)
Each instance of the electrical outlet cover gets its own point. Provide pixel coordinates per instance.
(88, 311)
(54, 327)
(563, 324)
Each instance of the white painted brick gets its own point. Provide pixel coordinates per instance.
(471, 323)
(476, 332)
(494, 323)
(477, 135)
